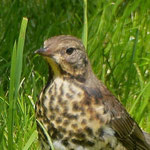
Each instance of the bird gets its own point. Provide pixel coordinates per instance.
(76, 108)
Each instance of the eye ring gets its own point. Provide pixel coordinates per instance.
(69, 51)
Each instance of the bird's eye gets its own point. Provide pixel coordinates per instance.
(69, 51)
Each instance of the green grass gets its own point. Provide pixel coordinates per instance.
(116, 34)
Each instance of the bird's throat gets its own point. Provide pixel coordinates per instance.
(57, 71)
(55, 67)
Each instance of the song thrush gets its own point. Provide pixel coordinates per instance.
(76, 109)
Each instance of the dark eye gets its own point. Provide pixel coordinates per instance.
(69, 51)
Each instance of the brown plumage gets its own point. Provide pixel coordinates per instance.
(76, 109)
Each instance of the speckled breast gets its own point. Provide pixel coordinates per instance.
(73, 119)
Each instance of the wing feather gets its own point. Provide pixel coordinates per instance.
(127, 130)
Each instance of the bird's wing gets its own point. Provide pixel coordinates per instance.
(127, 130)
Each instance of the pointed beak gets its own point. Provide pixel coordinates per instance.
(42, 51)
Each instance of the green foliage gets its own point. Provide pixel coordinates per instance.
(116, 34)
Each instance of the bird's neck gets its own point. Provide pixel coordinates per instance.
(83, 75)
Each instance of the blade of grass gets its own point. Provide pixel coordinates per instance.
(137, 100)
(11, 99)
(139, 75)
(32, 138)
(20, 47)
(15, 75)
(131, 69)
(47, 135)
(85, 27)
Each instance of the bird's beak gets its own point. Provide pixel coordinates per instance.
(43, 52)
(46, 52)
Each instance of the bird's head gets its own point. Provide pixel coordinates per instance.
(66, 55)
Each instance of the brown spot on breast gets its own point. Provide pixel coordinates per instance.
(90, 110)
(75, 141)
(100, 118)
(101, 132)
(70, 116)
(70, 133)
(82, 142)
(59, 99)
(51, 124)
(54, 135)
(54, 87)
(65, 141)
(84, 122)
(57, 109)
(51, 108)
(52, 117)
(61, 90)
(91, 118)
(74, 125)
(46, 120)
(86, 100)
(63, 102)
(60, 136)
(66, 122)
(75, 117)
(69, 96)
(51, 103)
(58, 120)
(89, 131)
(61, 129)
(75, 106)
(65, 109)
(97, 116)
(52, 97)
(89, 143)
(82, 113)
(53, 132)
(80, 135)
